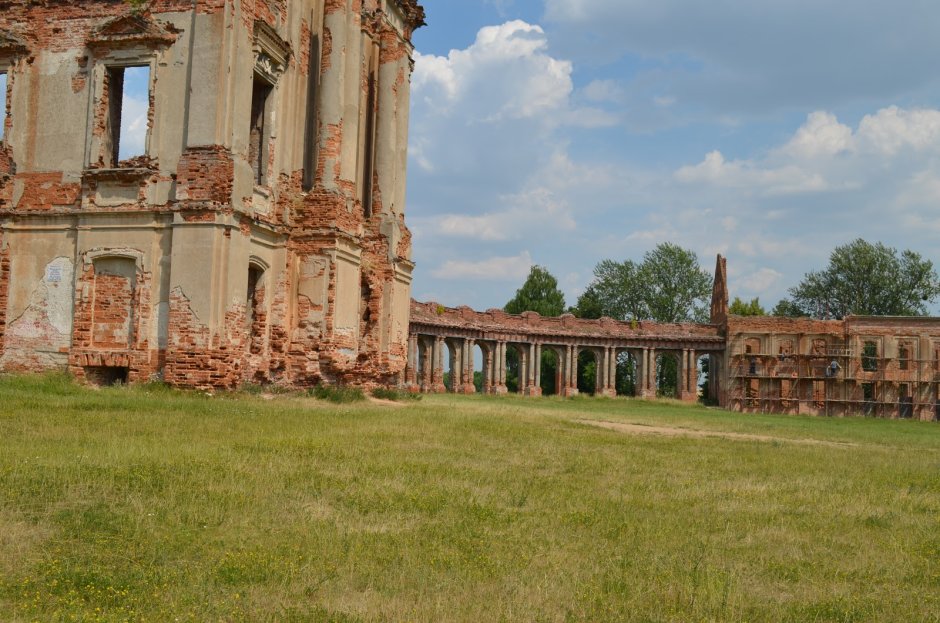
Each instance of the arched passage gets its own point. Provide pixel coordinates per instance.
(587, 371)
(513, 368)
(424, 369)
(548, 370)
(667, 375)
(703, 376)
(477, 363)
(451, 366)
(627, 374)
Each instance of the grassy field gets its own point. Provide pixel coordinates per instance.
(150, 505)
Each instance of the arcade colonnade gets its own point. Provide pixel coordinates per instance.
(425, 370)
(438, 332)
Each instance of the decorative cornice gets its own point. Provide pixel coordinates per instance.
(413, 13)
(270, 44)
(130, 29)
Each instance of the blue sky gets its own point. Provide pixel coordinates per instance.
(565, 132)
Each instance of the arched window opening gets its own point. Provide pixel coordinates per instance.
(254, 306)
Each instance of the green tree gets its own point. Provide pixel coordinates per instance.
(589, 305)
(667, 286)
(616, 292)
(540, 294)
(787, 309)
(675, 287)
(746, 308)
(868, 279)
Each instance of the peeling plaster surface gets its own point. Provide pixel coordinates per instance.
(50, 305)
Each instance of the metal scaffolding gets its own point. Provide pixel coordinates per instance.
(836, 381)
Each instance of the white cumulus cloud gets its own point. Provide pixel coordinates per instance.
(513, 269)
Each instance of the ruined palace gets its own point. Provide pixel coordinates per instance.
(256, 235)
(885, 367)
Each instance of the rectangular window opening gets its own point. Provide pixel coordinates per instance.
(259, 133)
(906, 401)
(128, 93)
(870, 357)
(904, 357)
(868, 399)
(311, 130)
(819, 394)
(3, 104)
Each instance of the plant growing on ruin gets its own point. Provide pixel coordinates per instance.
(137, 6)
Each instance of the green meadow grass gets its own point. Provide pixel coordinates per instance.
(146, 504)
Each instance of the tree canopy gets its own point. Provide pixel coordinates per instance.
(539, 293)
(668, 286)
(866, 279)
(740, 307)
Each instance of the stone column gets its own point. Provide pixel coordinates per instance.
(692, 382)
(523, 368)
(411, 367)
(612, 379)
(684, 385)
(437, 367)
(682, 374)
(499, 369)
(609, 387)
(535, 371)
(571, 371)
(648, 376)
(489, 361)
(653, 372)
(467, 386)
(427, 365)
